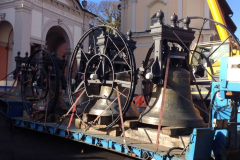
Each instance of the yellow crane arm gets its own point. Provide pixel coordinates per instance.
(218, 16)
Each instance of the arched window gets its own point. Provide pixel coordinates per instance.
(152, 8)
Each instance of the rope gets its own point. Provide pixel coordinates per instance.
(7, 75)
(73, 109)
(122, 123)
(162, 103)
(105, 109)
(16, 79)
(13, 82)
(47, 102)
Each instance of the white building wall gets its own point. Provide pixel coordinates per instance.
(10, 15)
(22, 28)
(36, 30)
(28, 23)
(45, 19)
(77, 35)
(70, 28)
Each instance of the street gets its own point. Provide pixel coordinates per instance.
(33, 145)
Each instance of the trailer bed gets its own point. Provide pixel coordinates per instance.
(138, 149)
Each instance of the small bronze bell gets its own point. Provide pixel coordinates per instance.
(113, 110)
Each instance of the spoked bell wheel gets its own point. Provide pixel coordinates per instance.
(105, 72)
(43, 84)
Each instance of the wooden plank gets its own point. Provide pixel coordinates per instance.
(176, 131)
(150, 135)
(114, 131)
(131, 123)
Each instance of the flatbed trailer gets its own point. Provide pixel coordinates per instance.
(138, 149)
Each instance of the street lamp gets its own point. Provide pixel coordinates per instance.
(84, 3)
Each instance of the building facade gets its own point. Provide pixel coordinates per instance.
(26, 25)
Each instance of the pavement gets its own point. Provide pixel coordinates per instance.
(25, 144)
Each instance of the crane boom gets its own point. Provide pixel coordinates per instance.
(218, 16)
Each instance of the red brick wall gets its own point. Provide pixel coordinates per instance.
(3, 62)
(62, 50)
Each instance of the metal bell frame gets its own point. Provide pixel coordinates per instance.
(83, 62)
(42, 66)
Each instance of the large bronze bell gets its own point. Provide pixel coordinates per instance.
(178, 110)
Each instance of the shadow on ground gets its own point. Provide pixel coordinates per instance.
(32, 145)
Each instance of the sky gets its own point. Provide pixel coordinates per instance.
(234, 5)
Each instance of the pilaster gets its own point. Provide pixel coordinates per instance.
(22, 28)
(206, 14)
(122, 16)
(180, 11)
(134, 15)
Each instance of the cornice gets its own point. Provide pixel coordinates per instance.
(23, 6)
(133, 1)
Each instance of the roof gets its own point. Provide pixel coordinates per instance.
(78, 1)
(227, 13)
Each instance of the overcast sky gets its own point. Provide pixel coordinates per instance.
(235, 6)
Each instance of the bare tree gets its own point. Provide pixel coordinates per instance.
(107, 11)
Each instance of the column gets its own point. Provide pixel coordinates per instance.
(22, 28)
(134, 15)
(122, 15)
(206, 14)
(180, 11)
